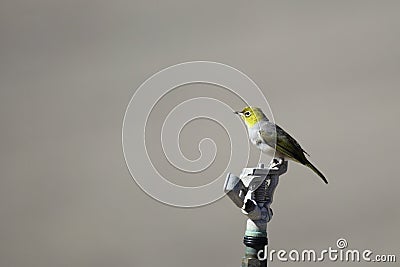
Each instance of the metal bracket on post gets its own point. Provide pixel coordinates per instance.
(253, 192)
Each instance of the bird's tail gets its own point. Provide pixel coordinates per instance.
(312, 167)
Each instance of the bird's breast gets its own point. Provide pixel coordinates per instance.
(256, 140)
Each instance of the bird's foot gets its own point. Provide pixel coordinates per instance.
(276, 162)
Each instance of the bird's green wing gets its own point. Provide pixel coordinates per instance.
(276, 137)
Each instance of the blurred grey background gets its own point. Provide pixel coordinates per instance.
(330, 70)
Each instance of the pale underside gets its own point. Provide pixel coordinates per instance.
(255, 138)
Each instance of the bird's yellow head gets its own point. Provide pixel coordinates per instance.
(251, 115)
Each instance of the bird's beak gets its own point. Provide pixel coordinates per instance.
(238, 112)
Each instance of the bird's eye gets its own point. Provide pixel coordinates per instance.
(247, 114)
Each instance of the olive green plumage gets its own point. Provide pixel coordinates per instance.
(273, 140)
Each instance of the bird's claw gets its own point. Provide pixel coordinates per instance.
(276, 162)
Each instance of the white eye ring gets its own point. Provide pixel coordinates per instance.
(247, 114)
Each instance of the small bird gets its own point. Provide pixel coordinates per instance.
(270, 138)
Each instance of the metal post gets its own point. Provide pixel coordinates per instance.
(253, 193)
